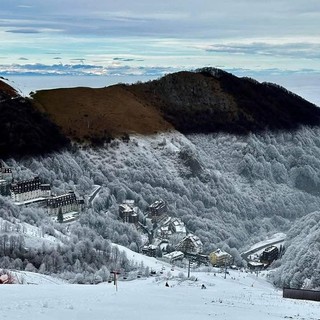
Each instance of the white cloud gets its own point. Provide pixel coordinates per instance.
(181, 33)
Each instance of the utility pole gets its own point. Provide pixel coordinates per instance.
(115, 278)
(225, 268)
(189, 268)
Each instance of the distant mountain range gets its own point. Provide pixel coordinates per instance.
(207, 100)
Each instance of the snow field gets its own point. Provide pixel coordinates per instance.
(240, 296)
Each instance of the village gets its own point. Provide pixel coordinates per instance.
(167, 239)
(164, 237)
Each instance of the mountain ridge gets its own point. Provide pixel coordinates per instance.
(207, 100)
(213, 100)
(202, 101)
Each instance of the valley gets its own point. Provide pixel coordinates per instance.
(231, 190)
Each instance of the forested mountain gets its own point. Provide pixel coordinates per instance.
(231, 191)
(232, 188)
(212, 100)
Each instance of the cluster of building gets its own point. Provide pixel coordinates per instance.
(166, 231)
(169, 227)
(34, 192)
(268, 255)
(128, 212)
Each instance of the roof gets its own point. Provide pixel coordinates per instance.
(157, 204)
(174, 254)
(178, 225)
(220, 253)
(166, 221)
(270, 249)
(193, 238)
(125, 207)
(149, 247)
(129, 202)
(255, 264)
(45, 187)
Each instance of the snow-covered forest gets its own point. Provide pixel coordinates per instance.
(231, 191)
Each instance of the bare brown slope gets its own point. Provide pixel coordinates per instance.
(86, 113)
(209, 100)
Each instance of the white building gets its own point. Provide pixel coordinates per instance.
(66, 203)
(29, 190)
(173, 256)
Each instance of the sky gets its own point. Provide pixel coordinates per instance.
(147, 37)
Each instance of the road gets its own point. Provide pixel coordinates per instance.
(93, 195)
(245, 255)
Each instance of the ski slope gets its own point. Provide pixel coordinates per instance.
(240, 295)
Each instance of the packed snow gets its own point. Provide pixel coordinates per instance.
(239, 296)
(235, 295)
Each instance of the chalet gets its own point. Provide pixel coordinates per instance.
(161, 243)
(254, 265)
(269, 254)
(173, 256)
(128, 212)
(29, 190)
(164, 232)
(190, 244)
(220, 258)
(65, 203)
(149, 250)
(178, 227)
(157, 210)
(171, 226)
(199, 258)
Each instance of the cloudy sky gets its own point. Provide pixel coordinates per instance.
(151, 37)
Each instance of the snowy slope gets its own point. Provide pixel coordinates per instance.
(33, 236)
(241, 297)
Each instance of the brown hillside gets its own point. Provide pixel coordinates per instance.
(209, 100)
(85, 113)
